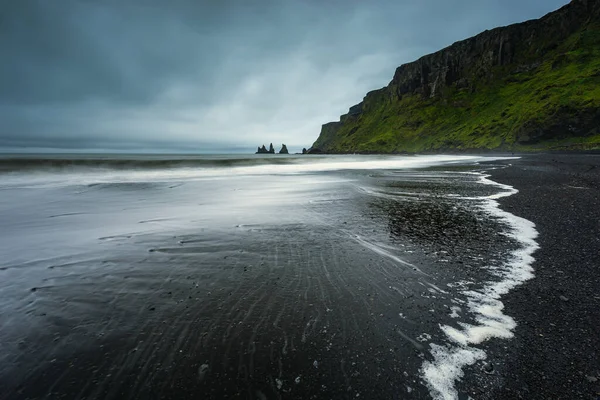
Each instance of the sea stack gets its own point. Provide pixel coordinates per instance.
(283, 150)
(263, 150)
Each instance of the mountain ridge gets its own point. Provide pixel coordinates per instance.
(528, 86)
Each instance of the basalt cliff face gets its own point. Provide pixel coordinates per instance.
(528, 86)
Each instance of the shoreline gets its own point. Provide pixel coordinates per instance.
(293, 281)
(555, 353)
(464, 345)
(475, 152)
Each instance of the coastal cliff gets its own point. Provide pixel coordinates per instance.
(528, 86)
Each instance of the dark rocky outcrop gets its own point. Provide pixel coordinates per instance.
(314, 150)
(283, 150)
(262, 150)
(271, 150)
(456, 83)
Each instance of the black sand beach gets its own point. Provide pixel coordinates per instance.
(243, 281)
(319, 284)
(555, 353)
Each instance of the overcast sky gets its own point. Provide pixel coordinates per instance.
(212, 75)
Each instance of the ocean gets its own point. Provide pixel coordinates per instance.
(243, 276)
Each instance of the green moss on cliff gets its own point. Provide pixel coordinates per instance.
(549, 103)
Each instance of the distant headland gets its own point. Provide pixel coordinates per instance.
(530, 86)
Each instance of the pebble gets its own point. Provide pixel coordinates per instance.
(202, 372)
(488, 368)
(563, 298)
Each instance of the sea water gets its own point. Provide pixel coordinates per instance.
(254, 276)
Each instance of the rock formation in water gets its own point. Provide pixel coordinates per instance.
(527, 86)
(262, 150)
(271, 150)
(283, 150)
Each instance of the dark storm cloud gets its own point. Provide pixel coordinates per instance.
(201, 74)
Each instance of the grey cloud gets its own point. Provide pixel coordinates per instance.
(202, 74)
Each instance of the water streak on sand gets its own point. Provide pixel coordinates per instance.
(449, 360)
(379, 250)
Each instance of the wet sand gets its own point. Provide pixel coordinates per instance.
(321, 285)
(556, 350)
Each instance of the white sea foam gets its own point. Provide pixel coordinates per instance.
(455, 312)
(302, 165)
(448, 362)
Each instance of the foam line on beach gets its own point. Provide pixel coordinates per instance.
(441, 373)
(103, 174)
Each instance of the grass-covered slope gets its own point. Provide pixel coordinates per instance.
(529, 86)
